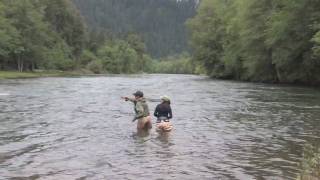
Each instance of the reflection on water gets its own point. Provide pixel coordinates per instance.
(79, 128)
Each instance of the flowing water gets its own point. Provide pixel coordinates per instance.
(79, 128)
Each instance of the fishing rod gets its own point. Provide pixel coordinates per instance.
(148, 99)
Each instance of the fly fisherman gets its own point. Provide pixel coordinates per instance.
(142, 111)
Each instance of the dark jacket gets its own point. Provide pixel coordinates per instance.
(163, 110)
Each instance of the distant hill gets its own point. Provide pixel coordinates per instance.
(161, 23)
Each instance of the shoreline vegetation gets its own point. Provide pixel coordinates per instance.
(226, 41)
(53, 35)
(310, 165)
(258, 40)
(39, 74)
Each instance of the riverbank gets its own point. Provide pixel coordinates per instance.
(37, 74)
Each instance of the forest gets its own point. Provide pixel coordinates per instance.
(40, 34)
(61, 35)
(160, 23)
(275, 41)
(258, 40)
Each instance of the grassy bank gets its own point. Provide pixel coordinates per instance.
(16, 75)
(310, 163)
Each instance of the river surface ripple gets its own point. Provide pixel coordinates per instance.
(79, 128)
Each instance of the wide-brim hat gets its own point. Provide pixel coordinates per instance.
(165, 98)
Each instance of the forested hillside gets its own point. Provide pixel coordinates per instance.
(161, 23)
(252, 40)
(259, 40)
(34, 34)
(51, 35)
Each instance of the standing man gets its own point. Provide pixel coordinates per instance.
(142, 111)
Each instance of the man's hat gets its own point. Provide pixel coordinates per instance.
(138, 93)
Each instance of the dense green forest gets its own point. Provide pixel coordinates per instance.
(39, 34)
(258, 40)
(51, 34)
(265, 40)
(161, 23)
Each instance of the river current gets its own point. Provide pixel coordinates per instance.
(80, 128)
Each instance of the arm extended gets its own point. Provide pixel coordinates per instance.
(129, 99)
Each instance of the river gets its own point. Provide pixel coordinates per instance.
(79, 128)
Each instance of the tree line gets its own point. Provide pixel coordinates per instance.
(34, 34)
(160, 23)
(258, 40)
(51, 34)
